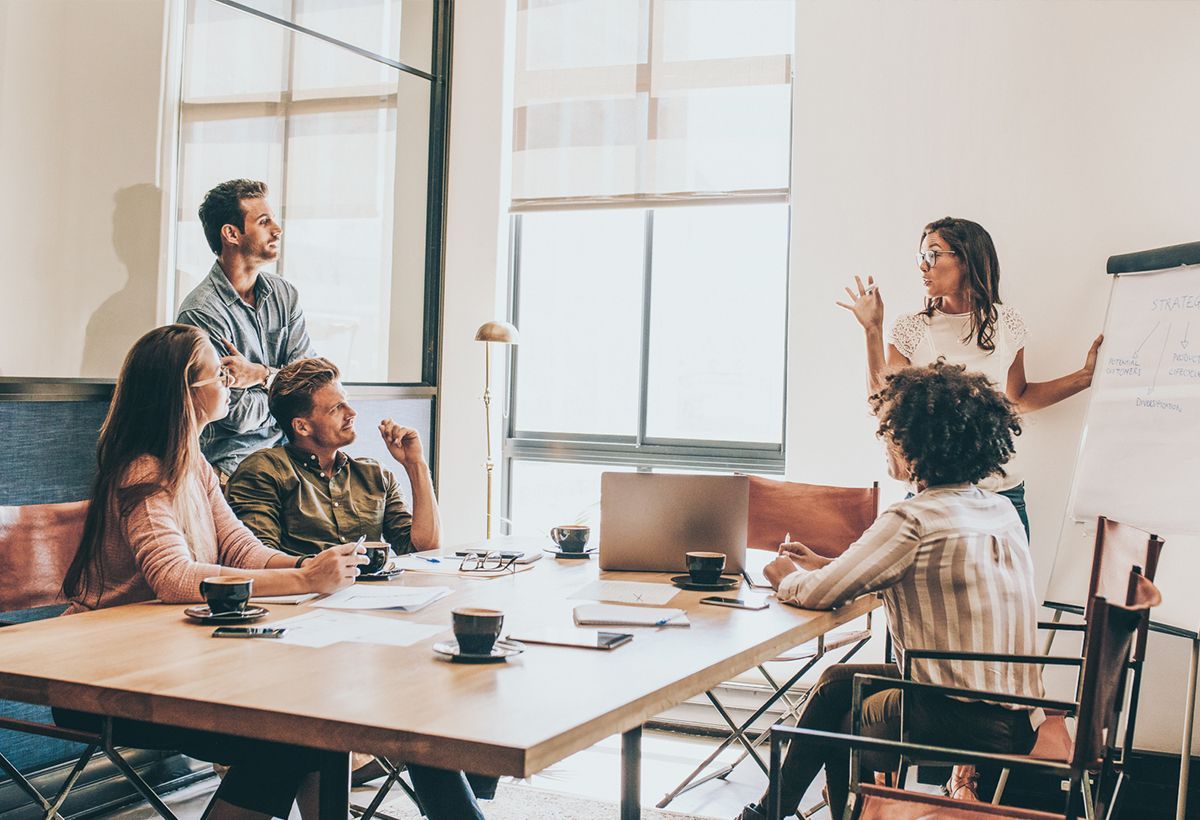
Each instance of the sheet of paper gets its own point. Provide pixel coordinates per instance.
(627, 592)
(317, 629)
(284, 599)
(359, 596)
(610, 615)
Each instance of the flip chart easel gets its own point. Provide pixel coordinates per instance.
(1140, 449)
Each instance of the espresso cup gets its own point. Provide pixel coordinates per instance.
(377, 557)
(476, 630)
(226, 593)
(571, 537)
(705, 567)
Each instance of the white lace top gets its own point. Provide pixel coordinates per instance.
(924, 339)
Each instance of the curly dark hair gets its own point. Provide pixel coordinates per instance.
(951, 425)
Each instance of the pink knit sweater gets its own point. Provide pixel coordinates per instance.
(146, 556)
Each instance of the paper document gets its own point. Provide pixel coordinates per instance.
(611, 615)
(284, 599)
(627, 592)
(405, 599)
(317, 629)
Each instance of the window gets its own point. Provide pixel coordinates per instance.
(340, 131)
(651, 162)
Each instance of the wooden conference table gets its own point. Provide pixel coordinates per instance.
(148, 662)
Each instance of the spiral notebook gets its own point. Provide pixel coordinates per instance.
(617, 615)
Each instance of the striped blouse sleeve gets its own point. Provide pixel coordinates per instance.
(875, 561)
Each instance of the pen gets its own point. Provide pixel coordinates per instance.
(427, 560)
(665, 621)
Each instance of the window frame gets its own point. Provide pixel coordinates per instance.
(645, 453)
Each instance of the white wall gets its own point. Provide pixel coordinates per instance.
(80, 87)
(1068, 129)
(476, 261)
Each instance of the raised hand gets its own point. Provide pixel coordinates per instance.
(404, 443)
(1089, 364)
(780, 568)
(865, 303)
(245, 372)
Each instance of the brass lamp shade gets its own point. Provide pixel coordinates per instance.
(501, 332)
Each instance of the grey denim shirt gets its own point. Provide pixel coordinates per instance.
(272, 333)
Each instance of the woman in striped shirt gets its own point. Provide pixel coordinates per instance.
(953, 566)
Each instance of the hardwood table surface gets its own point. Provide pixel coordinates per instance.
(149, 662)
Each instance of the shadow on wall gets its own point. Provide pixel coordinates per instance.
(130, 312)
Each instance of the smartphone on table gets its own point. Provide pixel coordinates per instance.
(248, 632)
(744, 602)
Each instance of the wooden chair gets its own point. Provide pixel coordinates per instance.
(827, 520)
(1108, 647)
(37, 543)
(1119, 550)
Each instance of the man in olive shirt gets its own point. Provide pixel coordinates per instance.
(307, 495)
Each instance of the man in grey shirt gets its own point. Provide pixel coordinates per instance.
(254, 318)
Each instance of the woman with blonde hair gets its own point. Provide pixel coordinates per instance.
(158, 525)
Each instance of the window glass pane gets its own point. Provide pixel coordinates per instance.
(546, 494)
(344, 149)
(718, 312)
(400, 30)
(231, 59)
(721, 29)
(580, 317)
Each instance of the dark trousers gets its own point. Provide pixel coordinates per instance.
(928, 719)
(264, 776)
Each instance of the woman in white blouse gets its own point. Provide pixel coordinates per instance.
(963, 322)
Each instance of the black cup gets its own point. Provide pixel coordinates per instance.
(377, 557)
(571, 537)
(705, 567)
(476, 630)
(226, 593)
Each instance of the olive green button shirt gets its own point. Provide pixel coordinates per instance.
(283, 497)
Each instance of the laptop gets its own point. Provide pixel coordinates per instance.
(648, 521)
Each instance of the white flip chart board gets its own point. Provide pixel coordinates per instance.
(1139, 459)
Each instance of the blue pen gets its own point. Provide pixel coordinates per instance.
(428, 560)
(666, 621)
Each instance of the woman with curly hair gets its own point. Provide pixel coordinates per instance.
(953, 566)
(963, 322)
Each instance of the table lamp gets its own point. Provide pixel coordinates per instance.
(505, 334)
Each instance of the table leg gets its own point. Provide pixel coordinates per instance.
(1189, 713)
(631, 774)
(334, 799)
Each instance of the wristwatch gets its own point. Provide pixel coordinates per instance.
(272, 372)
(300, 561)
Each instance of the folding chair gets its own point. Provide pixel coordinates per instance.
(392, 779)
(827, 520)
(37, 543)
(1105, 669)
(1119, 549)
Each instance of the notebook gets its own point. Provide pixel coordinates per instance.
(618, 615)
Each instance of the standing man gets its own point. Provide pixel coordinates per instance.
(307, 495)
(254, 318)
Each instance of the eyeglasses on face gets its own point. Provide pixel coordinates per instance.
(224, 376)
(488, 562)
(930, 257)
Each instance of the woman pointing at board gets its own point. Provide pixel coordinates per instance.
(964, 323)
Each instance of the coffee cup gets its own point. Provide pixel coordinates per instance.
(476, 630)
(226, 594)
(377, 557)
(571, 537)
(705, 567)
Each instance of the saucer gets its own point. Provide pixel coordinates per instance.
(385, 575)
(503, 649)
(561, 553)
(685, 582)
(204, 615)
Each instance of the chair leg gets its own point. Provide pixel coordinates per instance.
(393, 779)
(131, 774)
(1085, 785)
(1000, 786)
(69, 783)
(27, 787)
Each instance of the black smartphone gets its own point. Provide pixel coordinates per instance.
(736, 603)
(248, 632)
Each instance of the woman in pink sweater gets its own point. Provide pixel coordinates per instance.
(158, 525)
